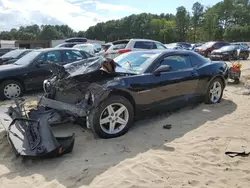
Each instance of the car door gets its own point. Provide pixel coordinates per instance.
(179, 84)
(168, 88)
(40, 69)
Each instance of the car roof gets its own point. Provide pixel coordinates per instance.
(24, 50)
(53, 49)
(166, 51)
(108, 43)
(8, 48)
(136, 39)
(85, 44)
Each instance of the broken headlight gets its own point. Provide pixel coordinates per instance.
(46, 86)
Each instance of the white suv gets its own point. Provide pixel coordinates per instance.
(122, 46)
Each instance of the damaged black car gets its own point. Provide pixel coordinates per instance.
(107, 94)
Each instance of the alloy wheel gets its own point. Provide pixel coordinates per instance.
(215, 92)
(114, 118)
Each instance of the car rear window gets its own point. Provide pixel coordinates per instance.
(119, 46)
(198, 60)
(145, 45)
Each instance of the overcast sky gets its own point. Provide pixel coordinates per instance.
(80, 14)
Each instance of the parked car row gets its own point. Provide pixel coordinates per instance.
(26, 69)
(230, 52)
(29, 72)
(215, 50)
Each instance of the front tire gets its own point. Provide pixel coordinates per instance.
(214, 91)
(10, 89)
(112, 118)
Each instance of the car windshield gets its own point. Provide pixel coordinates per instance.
(136, 61)
(28, 58)
(13, 54)
(186, 45)
(228, 48)
(172, 45)
(208, 44)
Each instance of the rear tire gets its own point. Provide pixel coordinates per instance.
(214, 91)
(105, 119)
(10, 89)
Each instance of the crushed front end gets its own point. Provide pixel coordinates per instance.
(69, 96)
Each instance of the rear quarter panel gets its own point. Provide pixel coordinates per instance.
(208, 72)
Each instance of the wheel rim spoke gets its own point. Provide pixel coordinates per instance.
(111, 127)
(110, 110)
(214, 87)
(121, 121)
(120, 111)
(105, 120)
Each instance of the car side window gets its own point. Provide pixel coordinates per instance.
(73, 55)
(217, 45)
(54, 57)
(197, 60)
(177, 62)
(145, 45)
(42, 58)
(160, 46)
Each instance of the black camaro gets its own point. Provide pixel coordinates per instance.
(107, 94)
(230, 52)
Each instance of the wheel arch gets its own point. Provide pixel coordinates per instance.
(126, 95)
(221, 78)
(15, 79)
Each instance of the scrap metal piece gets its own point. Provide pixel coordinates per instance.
(62, 106)
(32, 136)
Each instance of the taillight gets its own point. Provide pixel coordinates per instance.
(124, 51)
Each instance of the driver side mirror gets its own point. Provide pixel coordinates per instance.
(162, 68)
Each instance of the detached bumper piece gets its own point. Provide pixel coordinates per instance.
(31, 135)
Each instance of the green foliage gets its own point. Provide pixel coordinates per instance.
(227, 20)
(44, 32)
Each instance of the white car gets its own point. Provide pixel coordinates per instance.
(93, 49)
(122, 46)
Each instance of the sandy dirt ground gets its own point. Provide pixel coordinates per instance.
(191, 154)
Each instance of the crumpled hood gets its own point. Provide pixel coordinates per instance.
(86, 66)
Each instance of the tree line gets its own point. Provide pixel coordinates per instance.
(227, 20)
